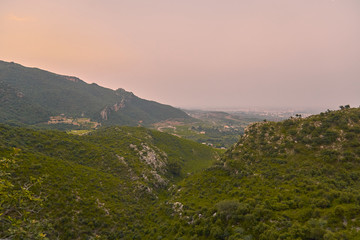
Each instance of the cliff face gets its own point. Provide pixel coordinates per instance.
(105, 113)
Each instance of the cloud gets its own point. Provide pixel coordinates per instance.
(15, 18)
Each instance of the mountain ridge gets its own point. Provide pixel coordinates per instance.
(60, 94)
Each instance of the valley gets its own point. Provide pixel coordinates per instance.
(79, 161)
(180, 120)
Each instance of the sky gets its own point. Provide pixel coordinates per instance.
(195, 53)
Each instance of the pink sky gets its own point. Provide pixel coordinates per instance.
(198, 53)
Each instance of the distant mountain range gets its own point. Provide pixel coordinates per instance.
(32, 96)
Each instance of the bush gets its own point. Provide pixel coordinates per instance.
(174, 168)
(227, 208)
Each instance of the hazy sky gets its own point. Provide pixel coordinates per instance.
(195, 53)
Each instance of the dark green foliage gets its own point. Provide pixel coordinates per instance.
(18, 202)
(17, 108)
(30, 95)
(100, 185)
(174, 168)
(297, 179)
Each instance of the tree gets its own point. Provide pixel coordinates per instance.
(17, 202)
(174, 168)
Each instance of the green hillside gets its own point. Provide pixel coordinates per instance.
(51, 94)
(15, 107)
(100, 185)
(296, 179)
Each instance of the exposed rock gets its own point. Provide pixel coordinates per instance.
(102, 206)
(104, 113)
(20, 94)
(151, 158)
(158, 178)
(122, 160)
(73, 79)
(133, 146)
(178, 206)
(118, 106)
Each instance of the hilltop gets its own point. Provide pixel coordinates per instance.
(295, 179)
(32, 96)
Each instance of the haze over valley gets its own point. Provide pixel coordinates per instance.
(220, 120)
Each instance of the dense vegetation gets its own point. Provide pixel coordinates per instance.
(296, 179)
(100, 185)
(12, 102)
(26, 91)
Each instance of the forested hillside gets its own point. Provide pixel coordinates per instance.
(26, 91)
(296, 179)
(100, 185)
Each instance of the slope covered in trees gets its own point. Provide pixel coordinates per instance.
(296, 179)
(51, 94)
(100, 185)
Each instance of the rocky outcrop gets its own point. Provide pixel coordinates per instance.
(118, 106)
(72, 79)
(105, 113)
